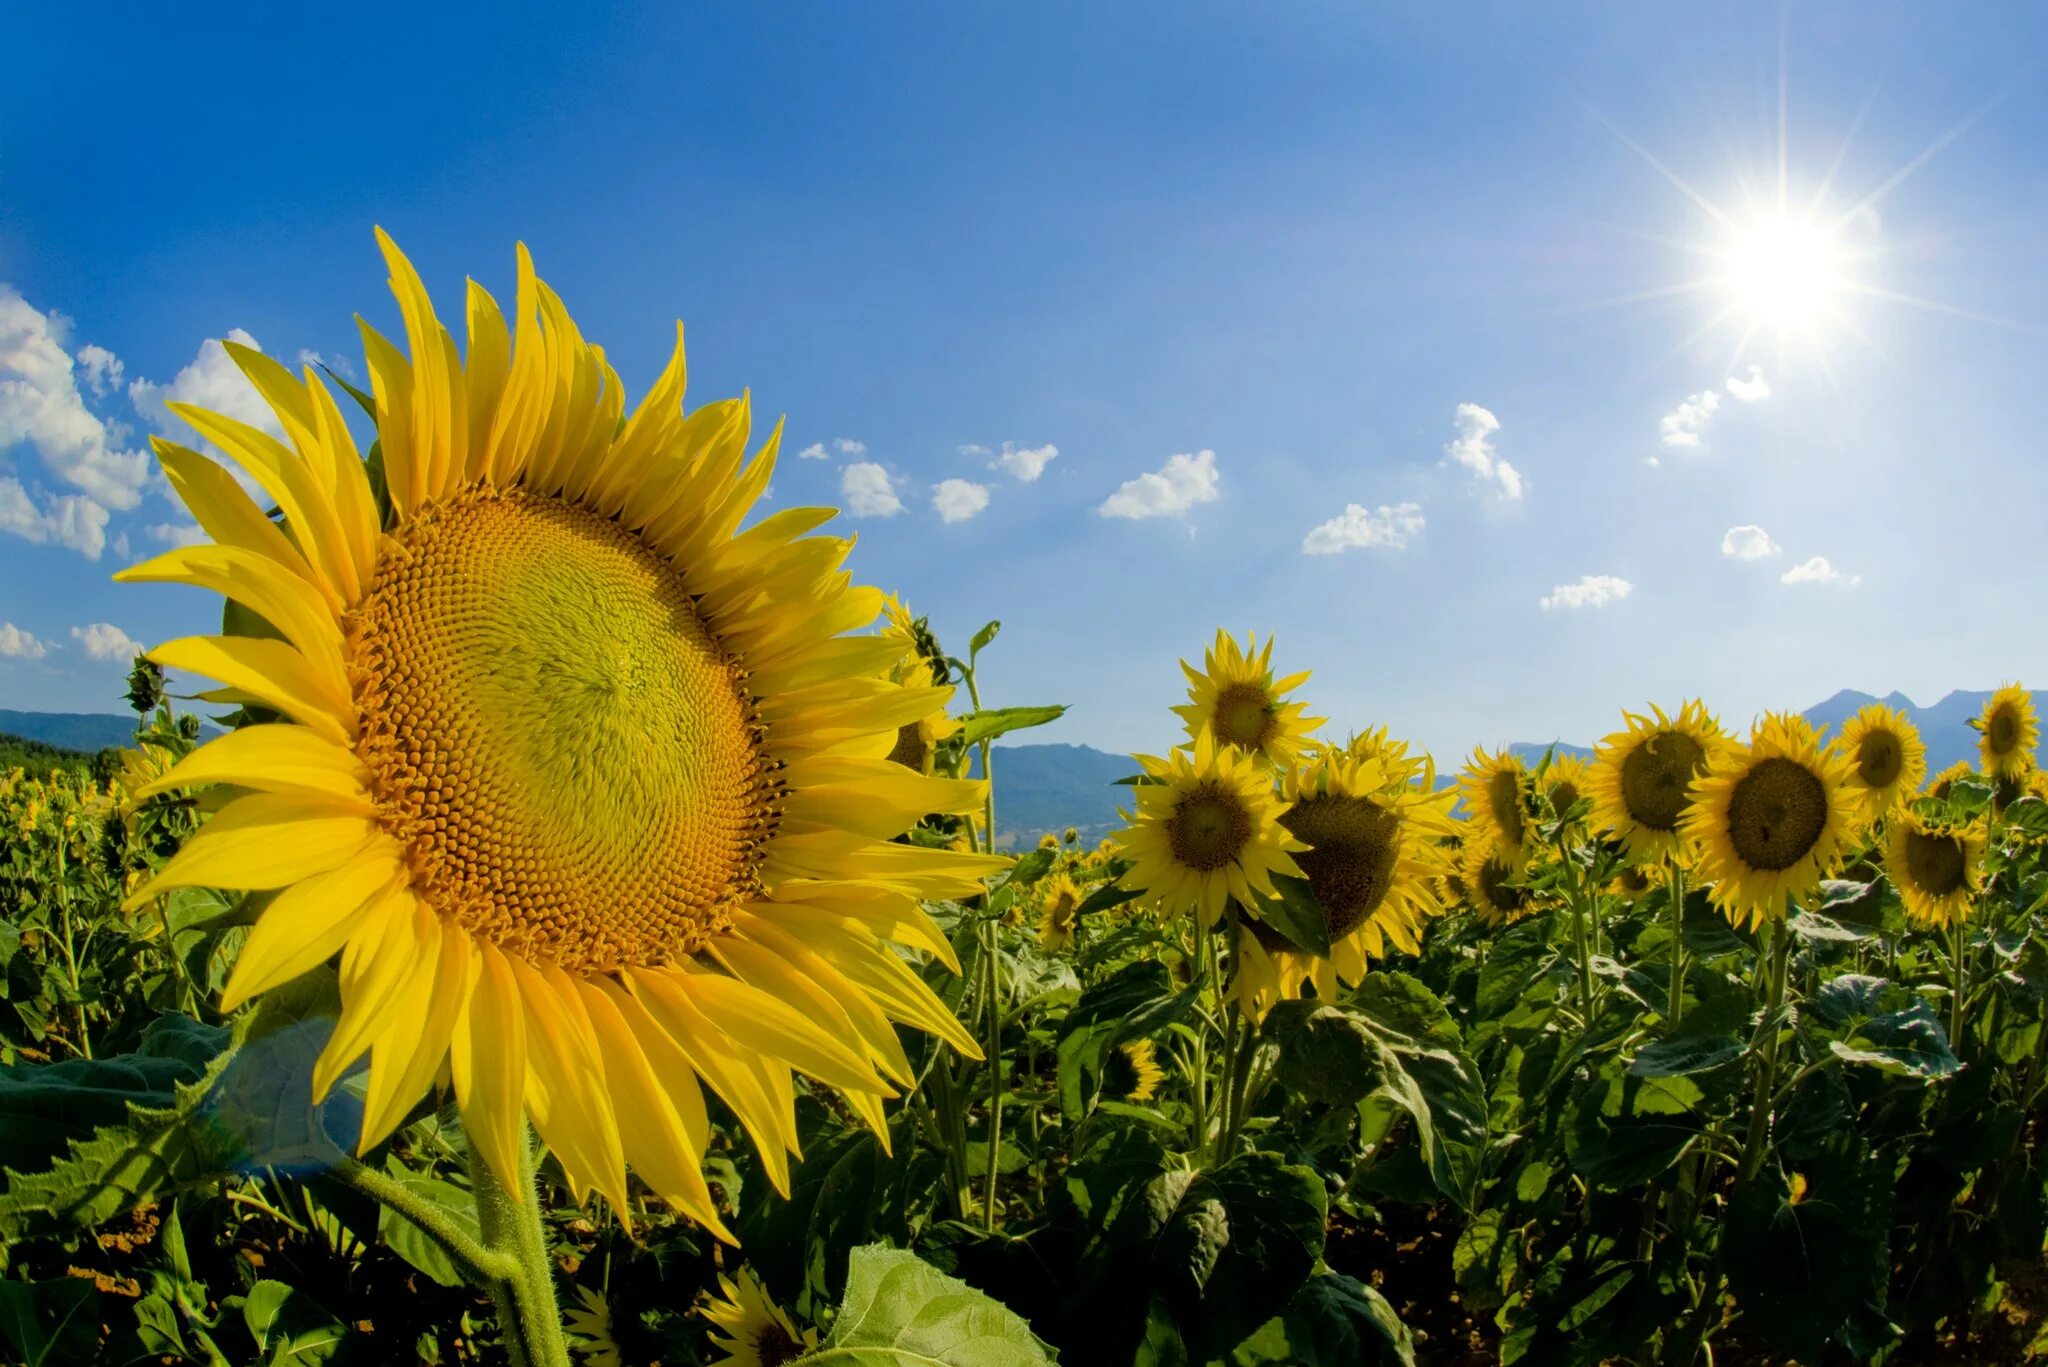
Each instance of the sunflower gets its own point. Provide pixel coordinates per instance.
(1206, 830)
(1132, 1072)
(752, 1330)
(1935, 867)
(1771, 818)
(1890, 761)
(917, 741)
(2008, 733)
(1234, 698)
(1640, 778)
(1633, 884)
(1489, 883)
(1943, 783)
(1058, 911)
(591, 1326)
(1564, 783)
(587, 787)
(1491, 791)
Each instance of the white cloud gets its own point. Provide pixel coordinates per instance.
(958, 499)
(973, 449)
(1169, 491)
(1748, 542)
(847, 446)
(211, 380)
(72, 520)
(40, 405)
(1752, 389)
(16, 644)
(177, 533)
(1026, 463)
(868, 493)
(1592, 591)
(1819, 571)
(338, 364)
(1683, 425)
(1391, 527)
(105, 641)
(1473, 449)
(103, 369)
(815, 451)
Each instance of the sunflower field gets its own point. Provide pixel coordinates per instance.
(578, 937)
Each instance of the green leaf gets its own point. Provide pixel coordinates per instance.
(1296, 914)
(1687, 1055)
(1333, 1321)
(1107, 896)
(899, 1311)
(1801, 1264)
(51, 1322)
(1910, 1043)
(987, 725)
(1031, 867)
(983, 638)
(408, 1241)
(42, 1108)
(289, 1326)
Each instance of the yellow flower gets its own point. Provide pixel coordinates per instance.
(1889, 761)
(1944, 782)
(917, 741)
(1564, 783)
(1489, 884)
(1770, 819)
(2008, 732)
(1132, 1072)
(1641, 778)
(1235, 699)
(751, 1330)
(587, 788)
(1633, 884)
(1058, 910)
(1490, 790)
(1206, 830)
(1936, 868)
(591, 1325)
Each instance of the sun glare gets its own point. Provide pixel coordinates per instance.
(1784, 272)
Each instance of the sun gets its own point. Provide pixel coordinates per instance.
(1785, 272)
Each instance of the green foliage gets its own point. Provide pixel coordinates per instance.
(900, 1312)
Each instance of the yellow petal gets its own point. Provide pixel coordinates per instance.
(272, 758)
(270, 671)
(487, 1057)
(266, 840)
(308, 923)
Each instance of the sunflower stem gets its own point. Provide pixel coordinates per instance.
(1674, 1011)
(528, 1314)
(1200, 972)
(1958, 973)
(483, 1266)
(995, 1071)
(1767, 1073)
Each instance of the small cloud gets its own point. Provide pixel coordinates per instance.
(1389, 527)
(815, 451)
(868, 493)
(105, 641)
(974, 449)
(1748, 542)
(1026, 463)
(1592, 591)
(1473, 449)
(176, 534)
(72, 520)
(338, 364)
(16, 644)
(1169, 491)
(1819, 571)
(1752, 389)
(1683, 425)
(847, 446)
(103, 369)
(41, 406)
(957, 499)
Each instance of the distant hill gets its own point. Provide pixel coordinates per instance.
(1042, 788)
(34, 757)
(71, 730)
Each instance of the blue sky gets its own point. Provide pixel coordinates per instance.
(1337, 247)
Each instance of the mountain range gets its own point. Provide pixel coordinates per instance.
(1050, 787)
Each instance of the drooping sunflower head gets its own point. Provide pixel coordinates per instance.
(1492, 885)
(1492, 790)
(587, 787)
(1641, 778)
(1936, 868)
(750, 1329)
(2008, 732)
(1942, 784)
(1633, 883)
(1058, 910)
(1563, 784)
(1234, 699)
(917, 741)
(1371, 856)
(1206, 829)
(1132, 1072)
(1771, 819)
(1888, 759)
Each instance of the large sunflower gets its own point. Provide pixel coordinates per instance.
(1936, 868)
(587, 787)
(1888, 758)
(1491, 790)
(1770, 818)
(1235, 698)
(1206, 829)
(1640, 778)
(2008, 733)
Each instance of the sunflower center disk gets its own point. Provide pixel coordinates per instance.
(572, 762)
(1354, 844)
(1879, 758)
(1243, 716)
(1935, 863)
(1776, 814)
(1504, 794)
(2004, 731)
(1655, 776)
(1209, 829)
(1494, 886)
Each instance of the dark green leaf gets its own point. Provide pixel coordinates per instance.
(1687, 1055)
(1296, 914)
(1333, 1321)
